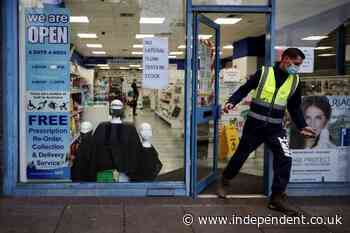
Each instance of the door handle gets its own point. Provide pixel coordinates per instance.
(207, 113)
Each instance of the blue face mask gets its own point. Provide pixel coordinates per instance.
(293, 69)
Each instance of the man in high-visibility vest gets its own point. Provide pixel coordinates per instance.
(276, 89)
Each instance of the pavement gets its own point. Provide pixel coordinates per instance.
(166, 214)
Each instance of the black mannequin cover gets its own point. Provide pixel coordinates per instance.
(118, 147)
(150, 165)
(81, 169)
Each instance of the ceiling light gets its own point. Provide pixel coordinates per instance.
(280, 47)
(141, 36)
(102, 65)
(99, 52)
(315, 37)
(136, 53)
(137, 66)
(104, 68)
(205, 37)
(124, 68)
(176, 53)
(228, 47)
(181, 46)
(172, 56)
(323, 47)
(137, 46)
(94, 45)
(227, 20)
(326, 55)
(78, 19)
(87, 35)
(146, 20)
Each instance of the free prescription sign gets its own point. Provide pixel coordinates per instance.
(155, 63)
(47, 78)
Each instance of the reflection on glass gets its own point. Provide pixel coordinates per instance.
(229, 2)
(105, 142)
(206, 66)
(205, 149)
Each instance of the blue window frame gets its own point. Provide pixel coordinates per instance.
(11, 140)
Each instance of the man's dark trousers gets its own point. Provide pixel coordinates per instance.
(255, 133)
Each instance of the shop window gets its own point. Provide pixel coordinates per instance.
(86, 112)
(326, 99)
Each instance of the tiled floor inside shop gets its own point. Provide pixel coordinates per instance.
(169, 143)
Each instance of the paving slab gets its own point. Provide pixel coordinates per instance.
(91, 219)
(331, 213)
(202, 224)
(29, 218)
(293, 230)
(154, 219)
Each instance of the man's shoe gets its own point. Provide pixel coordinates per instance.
(223, 185)
(279, 202)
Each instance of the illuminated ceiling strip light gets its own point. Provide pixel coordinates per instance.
(327, 55)
(137, 66)
(94, 45)
(323, 47)
(137, 46)
(141, 36)
(146, 20)
(102, 65)
(99, 52)
(181, 46)
(78, 19)
(172, 56)
(136, 53)
(227, 20)
(176, 53)
(87, 35)
(205, 37)
(228, 47)
(315, 37)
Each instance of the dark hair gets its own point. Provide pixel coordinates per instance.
(293, 53)
(320, 102)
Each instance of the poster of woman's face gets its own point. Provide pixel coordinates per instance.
(327, 115)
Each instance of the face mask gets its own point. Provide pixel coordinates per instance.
(117, 112)
(293, 69)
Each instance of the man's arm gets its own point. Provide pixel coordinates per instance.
(294, 109)
(243, 91)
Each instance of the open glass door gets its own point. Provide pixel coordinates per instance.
(205, 114)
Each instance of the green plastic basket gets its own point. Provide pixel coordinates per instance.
(106, 176)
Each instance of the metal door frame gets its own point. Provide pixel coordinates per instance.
(197, 113)
(269, 10)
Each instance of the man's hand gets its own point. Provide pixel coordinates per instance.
(308, 132)
(228, 107)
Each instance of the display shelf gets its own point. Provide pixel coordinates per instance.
(74, 138)
(76, 91)
(74, 113)
(161, 115)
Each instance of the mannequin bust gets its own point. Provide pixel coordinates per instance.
(118, 145)
(116, 110)
(81, 152)
(86, 127)
(150, 165)
(146, 134)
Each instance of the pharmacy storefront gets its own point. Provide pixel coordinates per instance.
(124, 97)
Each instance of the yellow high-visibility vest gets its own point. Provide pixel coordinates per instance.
(267, 95)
